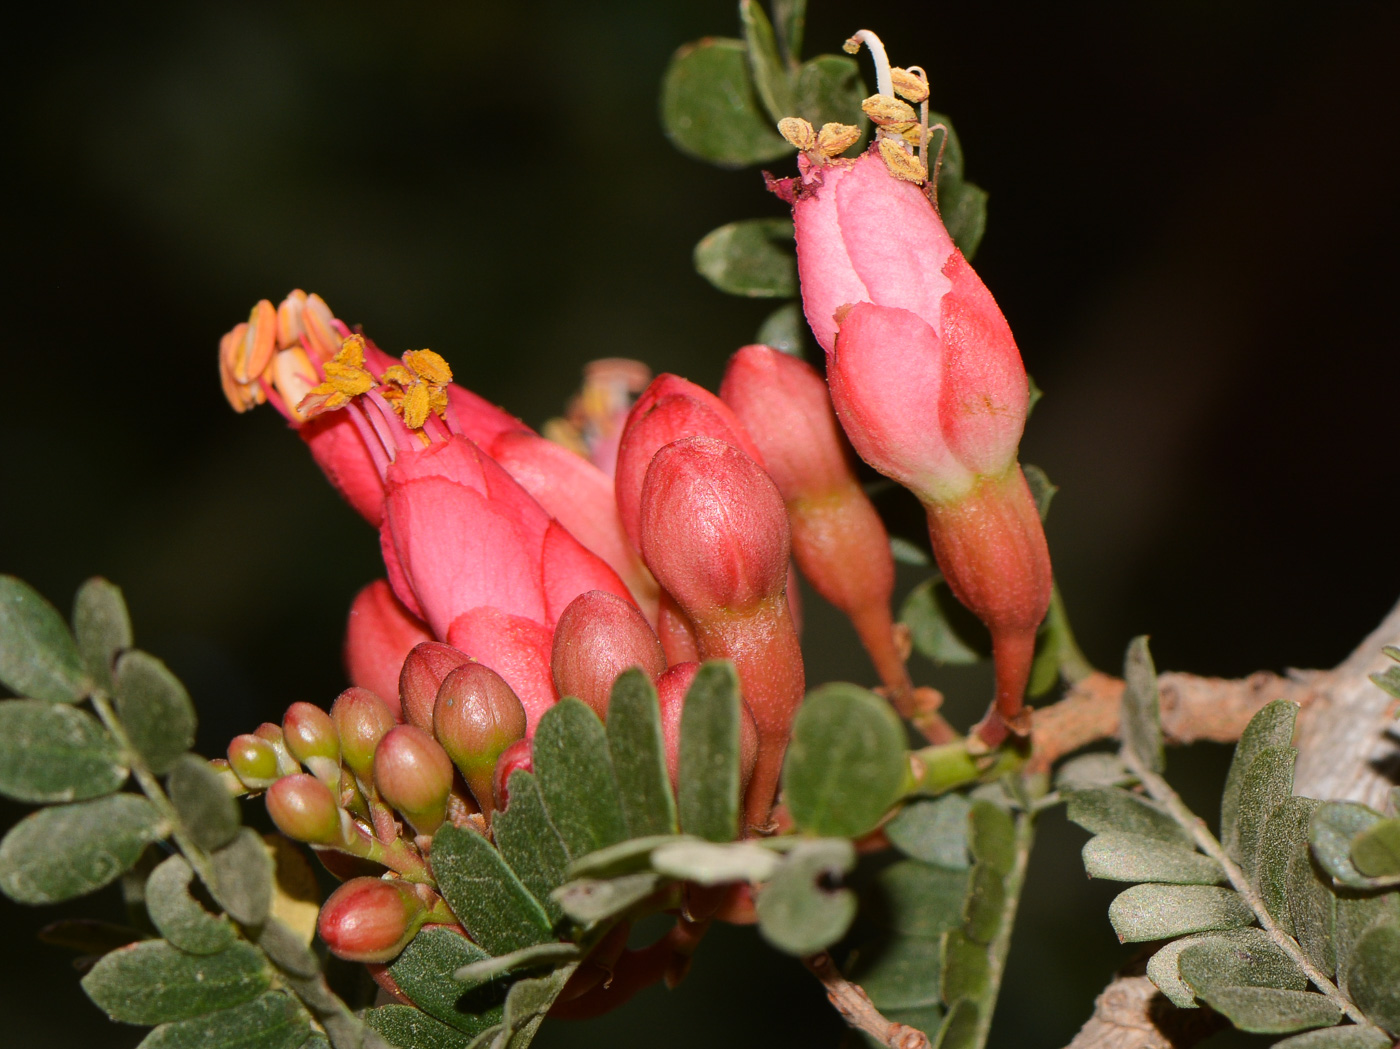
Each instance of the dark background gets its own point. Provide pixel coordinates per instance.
(1192, 230)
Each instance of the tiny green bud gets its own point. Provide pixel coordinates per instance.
(361, 720)
(414, 775)
(476, 717)
(254, 761)
(304, 810)
(310, 733)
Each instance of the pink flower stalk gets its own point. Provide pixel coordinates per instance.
(838, 540)
(929, 386)
(380, 634)
(714, 532)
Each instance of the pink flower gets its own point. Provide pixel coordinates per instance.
(378, 638)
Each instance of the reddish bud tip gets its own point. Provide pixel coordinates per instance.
(422, 675)
(414, 775)
(671, 688)
(714, 530)
(309, 733)
(515, 756)
(361, 719)
(370, 919)
(476, 717)
(597, 638)
(254, 761)
(304, 810)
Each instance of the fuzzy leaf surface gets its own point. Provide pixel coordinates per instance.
(1334, 825)
(1160, 912)
(1142, 720)
(941, 629)
(795, 913)
(38, 656)
(1271, 727)
(591, 900)
(1267, 784)
(1373, 978)
(155, 710)
(53, 753)
(933, 830)
(243, 873)
(575, 774)
(1135, 858)
(152, 982)
(638, 752)
(531, 843)
(407, 1028)
(710, 110)
(751, 257)
(497, 911)
(709, 778)
(101, 626)
(180, 917)
(1375, 852)
(425, 972)
(1102, 810)
(208, 811)
(270, 1021)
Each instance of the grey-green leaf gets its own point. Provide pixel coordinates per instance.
(1142, 722)
(752, 257)
(180, 917)
(709, 108)
(58, 853)
(626, 857)
(588, 901)
(1375, 852)
(1271, 727)
(51, 753)
(901, 972)
(966, 967)
(960, 1027)
(910, 898)
(707, 863)
(497, 911)
(1159, 912)
(575, 774)
(1163, 969)
(38, 657)
(783, 330)
(154, 708)
(798, 915)
(790, 19)
(638, 752)
(1091, 770)
(963, 208)
(933, 830)
(1135, 858)
(846, 764)
(941, 629)
(1334, 825)
(271, 1021)
(770, 75)
(243, 872)
(526, 1005)
(485, 969)
(152, 982)
(426, 972)
(1104, 809)
(1240, 960)
(531, 843)
(407, 1028)
(1373, 978)
(829, 89)
(1267, 784)
(101, 626)
(1285, 837)
(709, 777)
(1349, 1037)
(1264, 1010)
(208, 811)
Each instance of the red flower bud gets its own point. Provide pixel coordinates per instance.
(671, 408)
(597, 638)
(515, 756)
(379, 636)
(675, 631)
(838, 539)
(671, 688)
(304, 810)
(310, 733)
(361, 720)
(424, 670)
(414, 775)
(477, 716)
(254, 761)
(715, 534)
(370, 919)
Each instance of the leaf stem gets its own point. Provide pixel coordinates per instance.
(1162, 792)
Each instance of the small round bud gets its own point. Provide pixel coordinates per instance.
(421, 677)
(304, 810)
(515, 756)
(286, 764)
(361, 719)
(254, 761)
(370, 919)
(310, 733)
(414, 775)
(476, 717)
(597, 638)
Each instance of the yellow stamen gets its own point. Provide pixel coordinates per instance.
(798, 132)
(902, 165)
(345, 379)
(835, 139)
(890, 112)
(417, 388)
(910, 85)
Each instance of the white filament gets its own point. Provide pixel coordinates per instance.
(883, 84)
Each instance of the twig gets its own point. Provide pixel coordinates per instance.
(1162, 792)
(856, 1009)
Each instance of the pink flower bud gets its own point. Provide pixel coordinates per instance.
(715, 534)
(361, 721)
(310, 733)
(254, 761)
(370, 919)
(378, 638)
(476, 718)
(414, 774)
(671, 688)
(838, 540)
(671, 408)
(597, 638)
(516, 756)
(304, 810)
(675, 632)
(424, 670)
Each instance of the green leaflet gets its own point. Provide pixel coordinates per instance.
(709, 108)
(751, 257)
(575, 775)
(497, 911)
(1271, 727)
(1100, 810)
(1141, 720)
(270, 1021)
(101, 626)
(52, 753)
(1135, 858)
(181, 918)
(798, 915)
(709, 779)
(152, 982)
(38, 657)
(1161, 912)
(530, 842)
(638, 753)
(209, 813)
(424, 972)
(408, 1028)
(154, 708)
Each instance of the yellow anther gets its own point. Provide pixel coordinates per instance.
(890, 112)
(910, 85)
(345, 379)
(417, 388)
(835, 139)
(851, 46)
(798, 132)
(902, 165)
